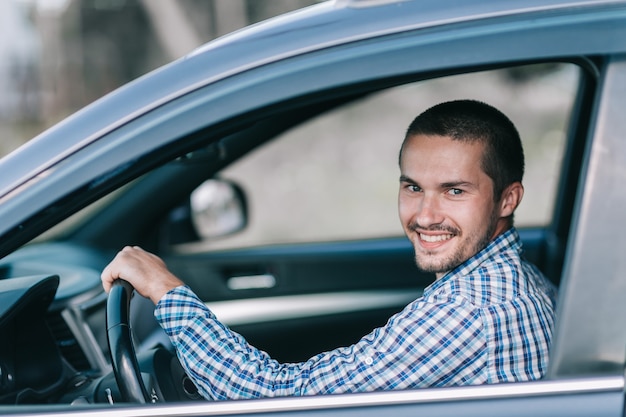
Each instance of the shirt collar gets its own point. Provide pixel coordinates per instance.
(506, 241)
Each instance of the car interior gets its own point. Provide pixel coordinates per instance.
(301, 252)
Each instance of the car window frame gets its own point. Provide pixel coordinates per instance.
(190, 111)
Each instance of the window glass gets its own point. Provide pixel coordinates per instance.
(336, 177)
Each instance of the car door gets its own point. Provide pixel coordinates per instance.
(587, 377)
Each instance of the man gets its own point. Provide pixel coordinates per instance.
(487, 318)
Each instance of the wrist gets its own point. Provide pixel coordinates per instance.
(162, 289)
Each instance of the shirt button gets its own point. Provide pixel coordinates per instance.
(369, 360)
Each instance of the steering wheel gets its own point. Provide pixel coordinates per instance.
(123, 356)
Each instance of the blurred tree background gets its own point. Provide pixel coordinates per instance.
(59, 55)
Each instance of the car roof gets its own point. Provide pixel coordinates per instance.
(313, 28)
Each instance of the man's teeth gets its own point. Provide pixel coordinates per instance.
(435, 238)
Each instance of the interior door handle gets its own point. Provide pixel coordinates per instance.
(251, 282)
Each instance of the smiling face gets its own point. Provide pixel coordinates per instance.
(446, 202)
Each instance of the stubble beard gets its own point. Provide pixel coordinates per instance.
(427, 262)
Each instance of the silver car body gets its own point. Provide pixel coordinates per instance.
(356, 42)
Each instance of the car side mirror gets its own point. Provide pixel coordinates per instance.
(216, 208)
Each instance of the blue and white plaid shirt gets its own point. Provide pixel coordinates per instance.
(489, 320)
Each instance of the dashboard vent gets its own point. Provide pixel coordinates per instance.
(67, 343)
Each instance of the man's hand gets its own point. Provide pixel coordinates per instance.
(145, 271)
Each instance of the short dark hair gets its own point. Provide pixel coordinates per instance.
(469, 121)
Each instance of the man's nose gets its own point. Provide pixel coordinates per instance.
(428, 211)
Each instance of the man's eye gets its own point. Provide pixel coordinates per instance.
(455, 191)
(414, 188)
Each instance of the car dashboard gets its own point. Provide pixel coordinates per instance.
(53, 343)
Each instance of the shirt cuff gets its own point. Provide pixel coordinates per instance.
(177, 307)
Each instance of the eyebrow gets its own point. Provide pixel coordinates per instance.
(449, 184)
(454, 184)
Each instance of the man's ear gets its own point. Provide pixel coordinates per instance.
(511, 197)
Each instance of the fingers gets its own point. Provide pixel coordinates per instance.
(146, 272)
(120, 264)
